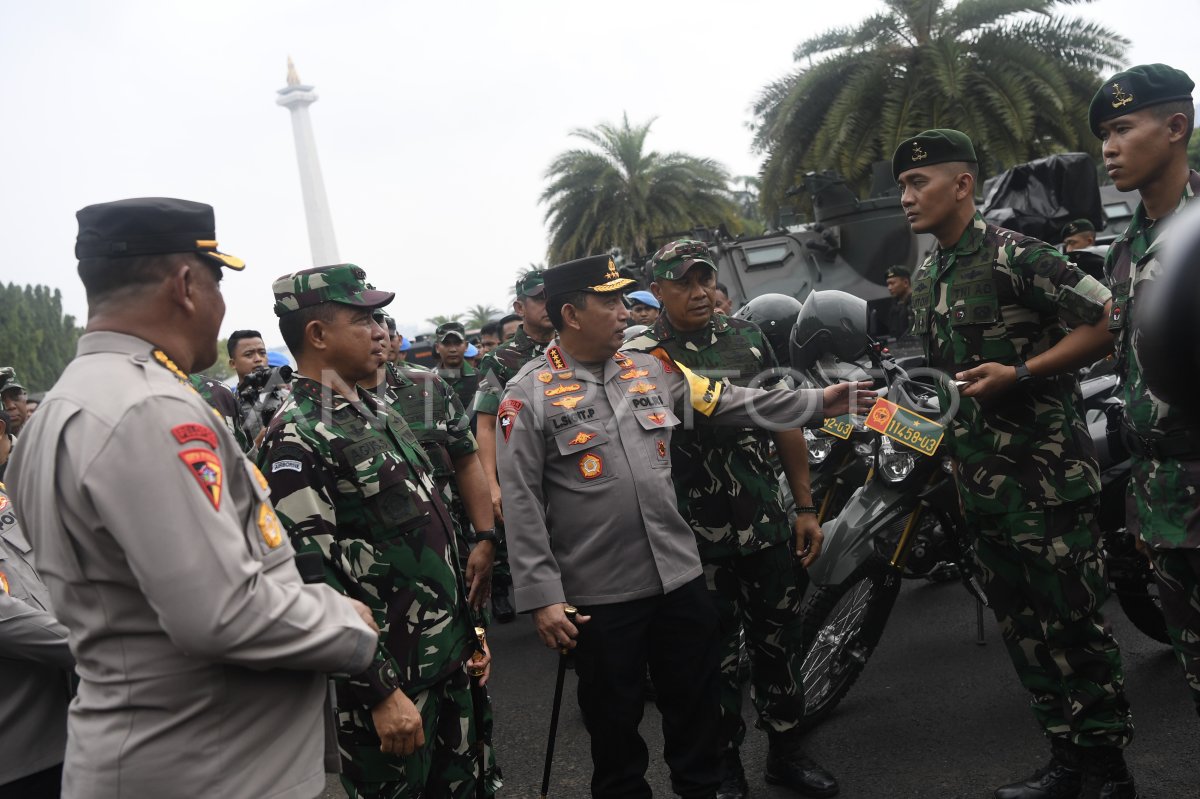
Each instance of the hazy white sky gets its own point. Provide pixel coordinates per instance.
(435, 125)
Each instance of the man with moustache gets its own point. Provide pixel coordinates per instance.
(1010, 316)
(1144, 117)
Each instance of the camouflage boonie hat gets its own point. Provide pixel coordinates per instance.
(344, 283)
(937, 146)
(1136, 88)
(1078, 226)
(531, 284)
(8, 379)
(672, 261)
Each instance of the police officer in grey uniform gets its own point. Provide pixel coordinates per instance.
(585, 471)
(198, 647)
(35, 671)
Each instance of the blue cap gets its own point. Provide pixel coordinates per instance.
(405, 345)
(471, 352)
(645, 298)
(277, 359)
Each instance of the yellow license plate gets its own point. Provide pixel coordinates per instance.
(839, 426)
(905, 427)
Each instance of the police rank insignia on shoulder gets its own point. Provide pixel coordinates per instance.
(641, 387)
(194, 432)
(591, 466)
(555, 357)
(545, 377)
(506, 416)
(269, 527)
(568, 402)
(206, 468)
(581, 439)
(563, 389)
(633, 374)
(662, 448)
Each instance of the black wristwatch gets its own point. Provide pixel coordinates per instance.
(486, 535)
(1023, 375)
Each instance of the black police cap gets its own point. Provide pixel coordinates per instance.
(596, 274)
(149, 226)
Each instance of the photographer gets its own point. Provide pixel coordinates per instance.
(262, 385)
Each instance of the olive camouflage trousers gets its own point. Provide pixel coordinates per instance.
(1177, 572)
(1045, 581)
(446, 766)
(758, 592)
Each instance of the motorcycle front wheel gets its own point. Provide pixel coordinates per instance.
(842, 626)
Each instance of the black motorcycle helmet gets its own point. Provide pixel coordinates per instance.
(775, 314)
(1167, 340)
(833, 323)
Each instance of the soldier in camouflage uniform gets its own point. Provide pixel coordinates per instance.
(727, 490)
(349, 482)
(992, 308)
(495, 370)
(224, 404)
(451, 345)
(1145, 148)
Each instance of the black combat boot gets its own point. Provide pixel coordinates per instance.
(1061, 778)
(787, 765)
(1105, 775)
(502, 607)
(733, 777)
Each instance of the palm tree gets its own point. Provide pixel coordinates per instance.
(618, 194)
(1012, 75)
(480, 315)
(442, 319)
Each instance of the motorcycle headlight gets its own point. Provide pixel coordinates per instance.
(864, 448)
(894, 465)
(819, 447)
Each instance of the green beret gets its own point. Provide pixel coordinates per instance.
(530, 284)
(344, 283)
(938, 146)
(899, 271)
(672, 261)
(1077, 226)
(1137, 88)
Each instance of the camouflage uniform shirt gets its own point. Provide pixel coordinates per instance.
(1164, 492)
(464, 380)
(725, 477)
(432, 410)
(222, 399)
(501, 365)
(347, 481)
(1001, 296)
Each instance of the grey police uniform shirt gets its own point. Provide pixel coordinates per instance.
(585, 472)
(35, 661)
(199, 649)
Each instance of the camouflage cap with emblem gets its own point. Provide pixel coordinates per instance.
(530, 284)
(149, 226)
(596, 274)
(454, 329)
(1078, 226)
(1136, 88)
(937, 146)
(8, 380)
(342, 283)
(673, 260)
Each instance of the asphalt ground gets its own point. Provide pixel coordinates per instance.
(933, 715)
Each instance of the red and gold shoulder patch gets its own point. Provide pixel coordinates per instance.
(557, 362)
(581, 439)
(563, 389)
(506, 416)
(591, 466)
(269, 526)
(4, 502)
(568, 402)
(641, 387)
(194, 432)
(545, 377)
(206, 468)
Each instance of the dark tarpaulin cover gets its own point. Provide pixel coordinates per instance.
(1039, 197)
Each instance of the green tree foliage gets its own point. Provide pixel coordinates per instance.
(221, 370)
(35, 337)
(480, 315)
(617, 194)
(442, 319)
(1011, 73)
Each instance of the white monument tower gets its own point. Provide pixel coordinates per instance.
(297, 97)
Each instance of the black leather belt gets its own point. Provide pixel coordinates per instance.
(1178, 444)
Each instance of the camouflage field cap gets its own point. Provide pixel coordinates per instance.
(450, 329)
(596, 274)
(531, 284)
(1078, 226)
(672, 261)
(344, 283)
(149, 226)
(899, 271)
(937, 146)
(8, 380)
(1136, 88)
